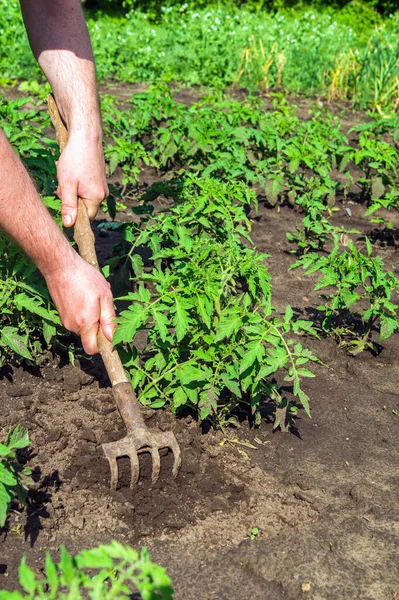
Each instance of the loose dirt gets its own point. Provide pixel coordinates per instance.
(324, 497)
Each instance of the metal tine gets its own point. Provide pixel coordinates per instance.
(123, 447)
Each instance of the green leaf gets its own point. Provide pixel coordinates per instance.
(18, 437)
(6, 477)
(10, 338)
(229, 323)
(49, 331)
(208, 402)
(137, 264)
(34, 306)
(51, 575)
(161, 323)
(181, 320)
(27, 577)
(4, 450)
(304, 401)
(305, 373)
(179, 397)
(231, 384)
(248, 360)
(289, 313)
(129, 323)
(192, 374)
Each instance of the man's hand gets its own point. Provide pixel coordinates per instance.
(81, 173)
(84, 301)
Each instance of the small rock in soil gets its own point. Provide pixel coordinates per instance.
(62, 444)
(89, 436)
(214, 451)
(142, 510)
(85, 378)
(72, 382)
(107, 410)
(207, 485)
(54, 435)
(219, 504)
(39, 440)
(89, 405)
(157, 511)
(16, 390)
(49, 373)
(77, 521)
(304, 497)
(28, 401)
(190, 464)
(118, 496)
(43, 396)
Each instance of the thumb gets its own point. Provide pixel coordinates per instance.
(69, 204)
(107, 316)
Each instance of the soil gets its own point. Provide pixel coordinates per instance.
(323, 497)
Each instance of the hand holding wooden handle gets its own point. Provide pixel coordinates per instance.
(84, 238)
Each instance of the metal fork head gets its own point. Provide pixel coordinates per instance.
(136, 442)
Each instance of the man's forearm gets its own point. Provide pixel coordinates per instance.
(25, 219)
(81, 294)
(60, 41)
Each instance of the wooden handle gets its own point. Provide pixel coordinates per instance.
(84, 237)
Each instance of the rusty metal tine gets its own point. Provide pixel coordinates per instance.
(135, 469)
(156, 464)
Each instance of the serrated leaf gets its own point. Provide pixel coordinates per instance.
(208, 402)
(34, 306)
(129, 323)
(229, 323)
(377, 188)
(6, 477)
(161, 323)
(179, 397)
(304, 401)
(27, 577)
(51, 576)
(305, 373)
(18, 437)
(10, 338)
(231, 385)
(289, 313)
(248, 360)
(181, 320)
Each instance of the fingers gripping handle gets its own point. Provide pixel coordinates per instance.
(84, 237)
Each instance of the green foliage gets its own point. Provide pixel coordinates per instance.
(208, 45)
(214, 342)
(29, 322)
(118, 571)
(290, 159)
(316, 231)
(14, 477)
(359, 293)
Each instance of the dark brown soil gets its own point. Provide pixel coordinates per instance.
(324, 498)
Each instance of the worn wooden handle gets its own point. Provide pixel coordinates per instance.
(84, 237)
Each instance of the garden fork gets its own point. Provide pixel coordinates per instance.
(138, 438)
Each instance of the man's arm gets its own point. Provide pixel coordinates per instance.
(60, 41)
(81, 294)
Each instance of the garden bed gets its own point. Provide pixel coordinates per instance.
(320, 503)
